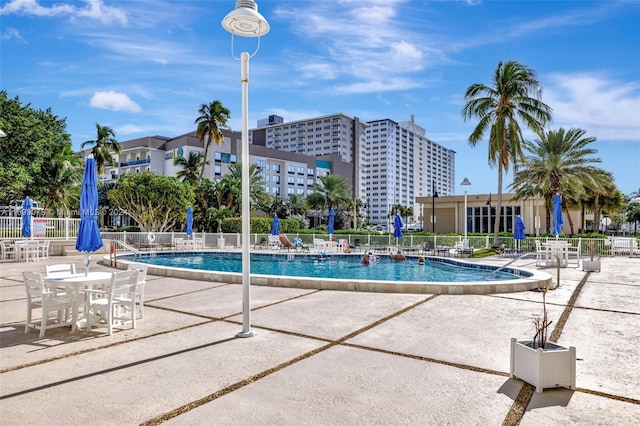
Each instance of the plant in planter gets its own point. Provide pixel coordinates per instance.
(541, 363)
(591, 265)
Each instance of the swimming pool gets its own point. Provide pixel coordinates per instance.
(345, 272)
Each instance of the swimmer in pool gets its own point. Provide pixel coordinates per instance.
(398, 256)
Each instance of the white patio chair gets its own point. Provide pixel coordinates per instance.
(39, 296)
(542, 254)
(59, 270)
(8, 251)
(142, 280)
(43, 249)
(116, 304)
(30, 251)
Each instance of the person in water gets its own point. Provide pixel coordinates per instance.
(372, 257)
(421, 260)
(322, 256)
(365, 259)
(398, 256)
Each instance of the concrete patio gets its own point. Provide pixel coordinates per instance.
(324, 357)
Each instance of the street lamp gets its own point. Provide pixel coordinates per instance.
(488, 204)
(434, 195)
(465, 183)
(245, 21)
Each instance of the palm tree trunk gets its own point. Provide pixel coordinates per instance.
(547, 213)
(596, 214)
(204, 163)
(566, 212)
(496, 222)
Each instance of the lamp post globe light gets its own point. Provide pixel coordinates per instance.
(465, 183)
(245, 21)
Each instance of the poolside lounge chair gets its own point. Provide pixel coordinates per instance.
(285, 243)
(262, 244)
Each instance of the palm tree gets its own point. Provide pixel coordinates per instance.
(105, 206)
(191, 167)
(297, 204)
(257, 192)
(63, 188)
(213, 118)
(330, 191)
(559, 161)
(103, 146)
(498, 108)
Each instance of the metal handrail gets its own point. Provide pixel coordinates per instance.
(128, 247)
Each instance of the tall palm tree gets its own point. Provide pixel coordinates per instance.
(513, 96)
(559, 161)
(104, 144)
(191, 167)
(213, 118)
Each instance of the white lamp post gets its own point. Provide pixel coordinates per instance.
(465, 183)
(245, 21)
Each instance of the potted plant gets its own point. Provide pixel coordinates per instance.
(541, 363)
(591, 265)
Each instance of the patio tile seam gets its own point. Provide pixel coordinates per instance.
(110, 345)
(519, 407)
(116, 368)
(240, 384)
(609, 396)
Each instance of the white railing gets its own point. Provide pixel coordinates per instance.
(41, 227)
(67, 228)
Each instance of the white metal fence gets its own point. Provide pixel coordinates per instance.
(67, 228)
(41, 227)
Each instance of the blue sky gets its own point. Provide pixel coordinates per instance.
(144, 68)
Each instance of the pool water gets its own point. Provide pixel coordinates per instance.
(337, 266)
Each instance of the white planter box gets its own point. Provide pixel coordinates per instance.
(551, 367)
(591, 265)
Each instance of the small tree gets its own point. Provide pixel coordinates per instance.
(157, 203)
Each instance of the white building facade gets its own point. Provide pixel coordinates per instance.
(401, 164)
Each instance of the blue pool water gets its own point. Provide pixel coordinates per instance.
(338, 266)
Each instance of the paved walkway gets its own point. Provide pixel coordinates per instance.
(325, 357)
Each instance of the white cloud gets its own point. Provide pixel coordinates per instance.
(373, 86)
(31, 7)
(12, 34)
(97, 10)
(605, 108)
(114, 101)
(94, 10)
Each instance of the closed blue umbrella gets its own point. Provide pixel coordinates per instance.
(558, 220)
(89, 238)
(26, 218)
(397, 227)
(519, 230)
(332, 216)
(275, 227)
(189, 221)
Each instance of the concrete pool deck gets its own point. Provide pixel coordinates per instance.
(325, 356)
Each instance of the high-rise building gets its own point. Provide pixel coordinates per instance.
(336, 135)
(400, 164)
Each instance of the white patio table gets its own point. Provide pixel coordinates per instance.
(75, 284)
(559, 249)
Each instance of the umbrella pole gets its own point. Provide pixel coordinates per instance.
(87, 261)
